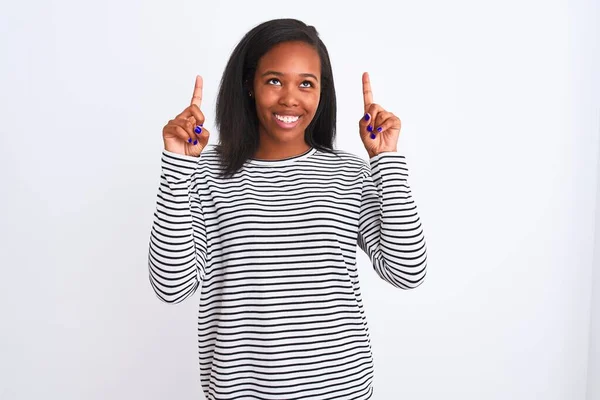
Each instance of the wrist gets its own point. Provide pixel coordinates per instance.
(371, 154)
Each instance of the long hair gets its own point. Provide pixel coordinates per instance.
(236, 116)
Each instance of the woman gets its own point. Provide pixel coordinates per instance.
(268, 221)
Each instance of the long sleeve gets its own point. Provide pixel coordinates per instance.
(178, 246)
(390, 231)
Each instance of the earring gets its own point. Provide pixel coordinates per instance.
(250, 94)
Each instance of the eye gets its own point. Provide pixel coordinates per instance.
(273, 79)
(309, 82)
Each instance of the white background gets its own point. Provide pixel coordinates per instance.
(500, 110)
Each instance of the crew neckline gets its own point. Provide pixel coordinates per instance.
(283, 161)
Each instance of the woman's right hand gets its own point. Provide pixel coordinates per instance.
(186, 134)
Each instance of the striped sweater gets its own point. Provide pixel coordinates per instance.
(273, 251)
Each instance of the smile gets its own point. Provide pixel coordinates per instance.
(286, 121)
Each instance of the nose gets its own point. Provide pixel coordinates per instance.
(289, 96)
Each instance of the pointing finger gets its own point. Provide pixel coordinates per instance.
(197, 96)
(367, 93)
(192, 111)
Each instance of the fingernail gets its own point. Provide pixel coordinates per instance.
(195, 142)
(372, 136)
(190, 140)
(379, 129)
(367, 117)
(198, 129)
(370, 128)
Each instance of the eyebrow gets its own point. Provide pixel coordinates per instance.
(282, 74)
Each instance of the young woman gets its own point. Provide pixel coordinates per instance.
(267, 223)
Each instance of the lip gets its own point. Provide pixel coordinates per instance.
(283, 125)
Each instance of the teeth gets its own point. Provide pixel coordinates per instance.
(287, 119)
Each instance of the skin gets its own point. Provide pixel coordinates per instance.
(379, 129)
(186, 133)
(287, 81)
(282, 84)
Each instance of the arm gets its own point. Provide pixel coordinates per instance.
(177, 253)
(390, 231)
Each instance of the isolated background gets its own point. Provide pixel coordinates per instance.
(500, 110)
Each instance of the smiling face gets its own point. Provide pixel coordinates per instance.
(287, 87)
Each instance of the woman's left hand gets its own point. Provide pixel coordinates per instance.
(379, 129)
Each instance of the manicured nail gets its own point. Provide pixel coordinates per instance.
(195, 142)
(367, 117)
(198, 129)
(190, 140)
(372, 136)
(370, 128)
(379, 129)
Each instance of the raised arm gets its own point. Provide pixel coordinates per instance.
(178, 245)
(390, 231)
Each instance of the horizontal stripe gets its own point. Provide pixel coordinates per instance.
(272, 251)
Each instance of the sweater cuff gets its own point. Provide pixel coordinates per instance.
(389, 163)
(386, 154)
(178, 165)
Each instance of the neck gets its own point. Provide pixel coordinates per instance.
(277, 151)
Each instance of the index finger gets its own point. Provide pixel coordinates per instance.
(197, 96)
(367, 93)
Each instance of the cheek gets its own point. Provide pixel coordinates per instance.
(264, 103)
(315, 103)
(262, 108)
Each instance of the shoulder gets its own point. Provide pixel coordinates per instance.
(209, 155)
(347, 158)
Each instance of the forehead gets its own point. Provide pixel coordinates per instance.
(291, 57)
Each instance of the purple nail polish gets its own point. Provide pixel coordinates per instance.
(195, 142)
(372, 136)
(189, 140)
(379, 129)
(370, 128)
(367, 117)
(198, 129)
